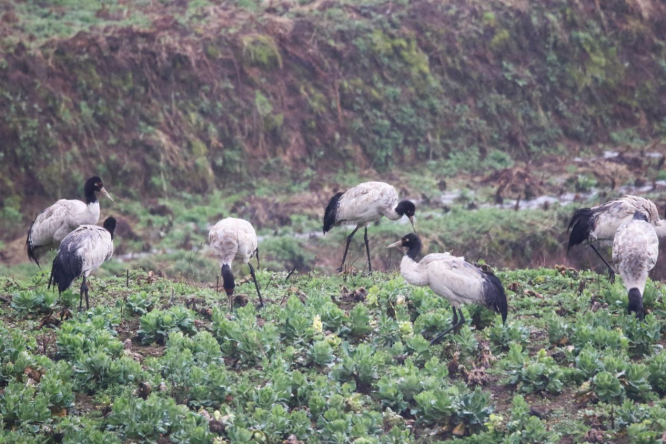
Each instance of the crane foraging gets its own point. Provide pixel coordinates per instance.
(80, 252)
(229, 239)
(453, 278)
(600, 224)
(57, 221)
(635, 253)
(365, 203)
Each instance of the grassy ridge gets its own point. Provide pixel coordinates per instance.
(330, 360)
(192, 95)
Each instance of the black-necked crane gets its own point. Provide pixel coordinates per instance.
(635, 253)
(365, 203)
(600, 224)
(80, 252)
(453, 278)
(57, 221)
(229, 239)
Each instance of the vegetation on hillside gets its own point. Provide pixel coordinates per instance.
(165, 96)
(330, 360)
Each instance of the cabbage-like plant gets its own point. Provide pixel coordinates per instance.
(607, 387)
(140, 303)
(157, 325)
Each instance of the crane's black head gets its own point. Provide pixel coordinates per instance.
(110, 225)
(92, 186)
(639, 215)
(228, 279)
(411, 242)
(407, 208)
(636, 303)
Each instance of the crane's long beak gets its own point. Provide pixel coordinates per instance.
(411, 219)
(106, 193)
(395, 244)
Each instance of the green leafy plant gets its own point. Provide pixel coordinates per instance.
(140, 303)
(642, 335)
(503, 335)
(359, 319)
(135, 418)
(321, 353)
(607, 387)
(157, 325)
(525, 428)
(540, 374)
(657, 369)
(21, 404)
(34, 302)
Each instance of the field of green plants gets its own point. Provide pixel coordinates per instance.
(331, 359)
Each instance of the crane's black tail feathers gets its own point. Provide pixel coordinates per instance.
(581, 225)
(495, 295)
(32, 253)
(331, 210)
(66, 268)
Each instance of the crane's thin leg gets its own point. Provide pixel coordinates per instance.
(254, 278)
(367, 249)
(87, 302)
(83, 283)
(349, 239)
(453, 327)
(611, 272)
(258, 263)
(84, 290)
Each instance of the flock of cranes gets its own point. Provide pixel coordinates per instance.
(631, 223)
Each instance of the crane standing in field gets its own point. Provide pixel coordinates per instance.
(57, 221)
(452, 278)
(82, 251)
(233, 238)
(599, 224)
(365, 203)
(635, 252)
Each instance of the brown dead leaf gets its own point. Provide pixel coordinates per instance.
(459, 430)
(32, 373)
(58, 411)
(514, 286)
(533, 294)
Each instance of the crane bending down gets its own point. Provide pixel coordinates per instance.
(365, 203)
(57, 221)
(82, 251)
(599, 224)
(635, 252)
(452, 278)
(233, 238)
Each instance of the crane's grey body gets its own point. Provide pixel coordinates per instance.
(452, 278)
(53, 224)
(448, 276)
(92, 244)
(231, 239)
(599, 225)
(57, 221)
(611, 215)
(83, 250)
(635, 253)
(365, 203)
